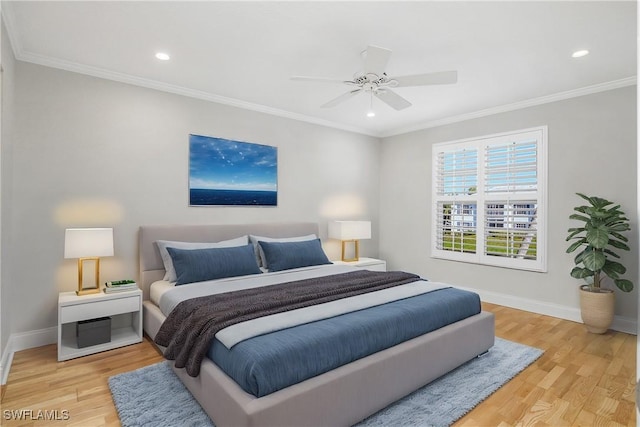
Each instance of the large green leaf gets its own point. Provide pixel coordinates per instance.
(587, 198)
(618, 219)
(596, 213)
(598, 237)
(579, 217)
(578, 259)
(599, 202)
(573, 232)
(619, 227)
(619, 245)
(594, 260)
(619, 236)
(581, 273)
(624, 285)
(613, 269)
(610, 252)
(575, 245)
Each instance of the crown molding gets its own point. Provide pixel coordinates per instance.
(560, 96)
(206, 96)
(22, 55)
(9, 23)
(180, 90)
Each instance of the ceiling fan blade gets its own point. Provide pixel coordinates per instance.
(319, 79)
(439, 78)
(392, 99)
(375, 60)
(341, 98)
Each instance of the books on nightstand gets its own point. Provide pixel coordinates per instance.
(120, 286)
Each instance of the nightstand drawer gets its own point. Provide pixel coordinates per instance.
(93, 310)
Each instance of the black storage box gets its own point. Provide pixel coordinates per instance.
(93, 331)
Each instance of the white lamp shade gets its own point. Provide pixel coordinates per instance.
(88, 242)
(350, 230)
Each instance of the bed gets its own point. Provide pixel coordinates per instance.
(342, 396)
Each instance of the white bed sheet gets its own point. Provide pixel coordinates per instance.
(157, 289)
(160, 287)
(172, 297)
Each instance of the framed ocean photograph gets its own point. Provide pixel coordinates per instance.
(224, 172)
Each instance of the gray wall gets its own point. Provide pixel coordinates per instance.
(592, 149)
(5, 185)
(92, 152)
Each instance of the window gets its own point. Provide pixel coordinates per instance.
(489, 198)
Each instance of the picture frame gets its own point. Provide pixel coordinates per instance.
(225, 172)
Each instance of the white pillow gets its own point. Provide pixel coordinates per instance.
(170, 274)
(260, 259)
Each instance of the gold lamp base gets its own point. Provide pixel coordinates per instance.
(357, 250)
(87, 291)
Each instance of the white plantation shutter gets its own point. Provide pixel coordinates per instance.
(456, 179)
(511, 168)
(457, 226)
(511, 229)
(457, 172)
(489, 197)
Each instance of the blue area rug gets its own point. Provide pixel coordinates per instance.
(154, 396)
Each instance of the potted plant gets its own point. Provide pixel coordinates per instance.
(595, 240)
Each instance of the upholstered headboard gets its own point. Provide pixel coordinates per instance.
(151, 266)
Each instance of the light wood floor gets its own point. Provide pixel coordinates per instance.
(582, 379)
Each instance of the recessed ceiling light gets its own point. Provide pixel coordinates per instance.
(371, 114)
(162, 56)
(580, 53)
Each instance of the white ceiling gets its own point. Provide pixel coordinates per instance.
(508, 54)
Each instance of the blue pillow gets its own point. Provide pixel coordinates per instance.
(197, 265)
(285, 255)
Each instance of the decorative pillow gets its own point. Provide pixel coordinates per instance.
(286, 255)
(258, 249)
(170, 272)
(197, 265)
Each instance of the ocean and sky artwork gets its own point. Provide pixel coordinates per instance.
(231, 173)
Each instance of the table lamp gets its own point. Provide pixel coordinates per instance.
(350, 232)
(88, 244)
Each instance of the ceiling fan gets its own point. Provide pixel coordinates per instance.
(376, 82)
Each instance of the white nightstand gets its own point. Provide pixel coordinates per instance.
(366, 264)
(124, 308)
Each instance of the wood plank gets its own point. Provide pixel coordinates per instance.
(582, 379)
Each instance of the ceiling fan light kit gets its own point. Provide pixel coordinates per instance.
(371, 113)
(375, 81)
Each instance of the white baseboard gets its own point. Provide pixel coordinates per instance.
(32, 339)
(6, 366)
(24, 341)
(5, 362)
(622, 324)
(40, 337)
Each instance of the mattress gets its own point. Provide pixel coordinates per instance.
(302, 347)
(273, 361)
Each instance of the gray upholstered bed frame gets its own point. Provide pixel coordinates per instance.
(340, 397)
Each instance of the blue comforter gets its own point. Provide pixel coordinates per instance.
(270, 362)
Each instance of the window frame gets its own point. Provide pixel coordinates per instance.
(483, 200)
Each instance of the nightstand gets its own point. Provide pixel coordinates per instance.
(366, 264)
(124, 309)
